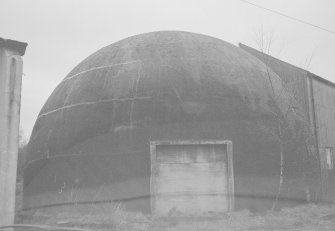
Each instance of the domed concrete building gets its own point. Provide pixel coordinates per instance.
(162, 121)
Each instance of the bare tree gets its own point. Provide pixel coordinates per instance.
(285, 116)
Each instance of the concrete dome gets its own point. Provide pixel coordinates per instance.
(93, 132)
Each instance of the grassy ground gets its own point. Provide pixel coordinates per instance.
(307, 217)
(112, 217)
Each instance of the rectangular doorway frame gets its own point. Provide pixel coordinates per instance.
(230, 165)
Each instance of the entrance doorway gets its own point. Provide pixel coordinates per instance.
(191, 177)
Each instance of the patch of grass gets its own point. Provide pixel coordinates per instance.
(113, 217)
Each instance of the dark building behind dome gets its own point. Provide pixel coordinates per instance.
(91, 140)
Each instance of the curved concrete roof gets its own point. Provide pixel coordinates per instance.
(117, 88)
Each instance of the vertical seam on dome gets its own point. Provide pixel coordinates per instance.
(135, 94)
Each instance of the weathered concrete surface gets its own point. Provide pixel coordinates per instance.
(91, 141)
(10, 97)
(191, 177)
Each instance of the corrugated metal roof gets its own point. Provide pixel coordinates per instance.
(264, 56)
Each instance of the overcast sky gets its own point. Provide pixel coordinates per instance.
(61, 33)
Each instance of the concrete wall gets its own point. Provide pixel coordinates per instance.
(191, 177)
(10, 97)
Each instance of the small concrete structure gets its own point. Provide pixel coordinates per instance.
(10, 97)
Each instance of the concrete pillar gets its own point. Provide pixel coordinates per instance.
(10, 98)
